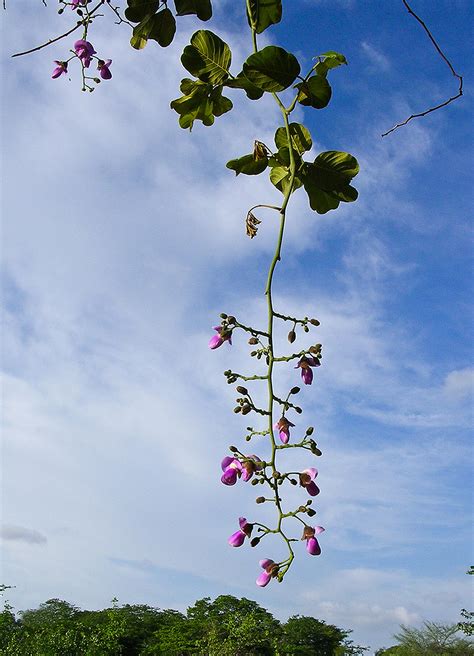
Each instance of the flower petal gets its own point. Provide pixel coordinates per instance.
(263, 579)
(312, 547)
(236, 539)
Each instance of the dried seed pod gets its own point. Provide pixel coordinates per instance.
(242, 390)
(246, 409)
(314, 322)
(291, 336)
(253, 340)
(260, 500)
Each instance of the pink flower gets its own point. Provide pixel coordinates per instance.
(84, 50)
(221, 337)
(75, 3)
(103, 68)
(305, 365)
(312, 545)
(233, 468)
(283, 426)
(270, 569)
(237, 539)
(307, 477)
(60, 69)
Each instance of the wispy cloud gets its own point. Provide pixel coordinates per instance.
(376, 57)
(12, 533)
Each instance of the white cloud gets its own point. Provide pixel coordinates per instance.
(378, 60)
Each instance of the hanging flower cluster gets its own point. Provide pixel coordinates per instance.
(252, 468)
(326, 180)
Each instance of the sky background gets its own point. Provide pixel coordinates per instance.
(123, 240)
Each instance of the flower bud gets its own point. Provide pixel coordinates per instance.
(302, 509)
(223, 315)
(237, 409)
(246, 409)
(253, 340)
(254, 542)
(276, 474)
(306, 329)
(253, 354)
(295, 390)
(231, 319)
(293, 482)
(298, 410)
(234, 449)
(309, 430)
(242, 390)
(311, 512)
(314, 322)
(260, 500)
(291, 336)
(255, 481)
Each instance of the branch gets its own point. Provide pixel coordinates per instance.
(451, 68)
(48, 43)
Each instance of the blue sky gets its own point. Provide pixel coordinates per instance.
(123, 239)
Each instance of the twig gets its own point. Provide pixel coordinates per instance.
(48, 43)
(451, 68)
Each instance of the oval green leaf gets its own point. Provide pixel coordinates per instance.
(263, 13)
(248, 165)
(315, 92)
(201, 8)
(333, 170)
(299, 135)
(207, 58)
(137, 10)
(272, 69)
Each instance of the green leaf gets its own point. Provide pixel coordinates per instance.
(326, 181)
(333, 170)
(202, 8)
(319, 200)
(272, 69)
(207, 58)
(201, 101)
(138, 10)
(280, 176)
(241, 82)
(160, 27)
(220, 104)
(264, 13)
(299, 135)
(315, 92)
(331, 60)
(248, 165)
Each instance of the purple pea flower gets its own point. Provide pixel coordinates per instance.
(283, 426)
(232, 469)
(221, 337)
(305, 365)
(250, 465)
(103, 68)
(312, 545)
(237, 539)
(307, 477)
(270, 569)
(75, 3)
(60, 69)
(84, 50)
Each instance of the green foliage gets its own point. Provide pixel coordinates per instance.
(226, 626)
(160, 27)
(315, 92)
(208, 57)
(329, 60)
(300, 137)
(263, 13)
(327, 179)
(433, 639)
(241, 82)
(201, 102)
(248, 165)
(202, 8)
(272, 69)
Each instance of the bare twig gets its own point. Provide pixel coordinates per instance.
(451, 68)
(48, 43)
(62, 36)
